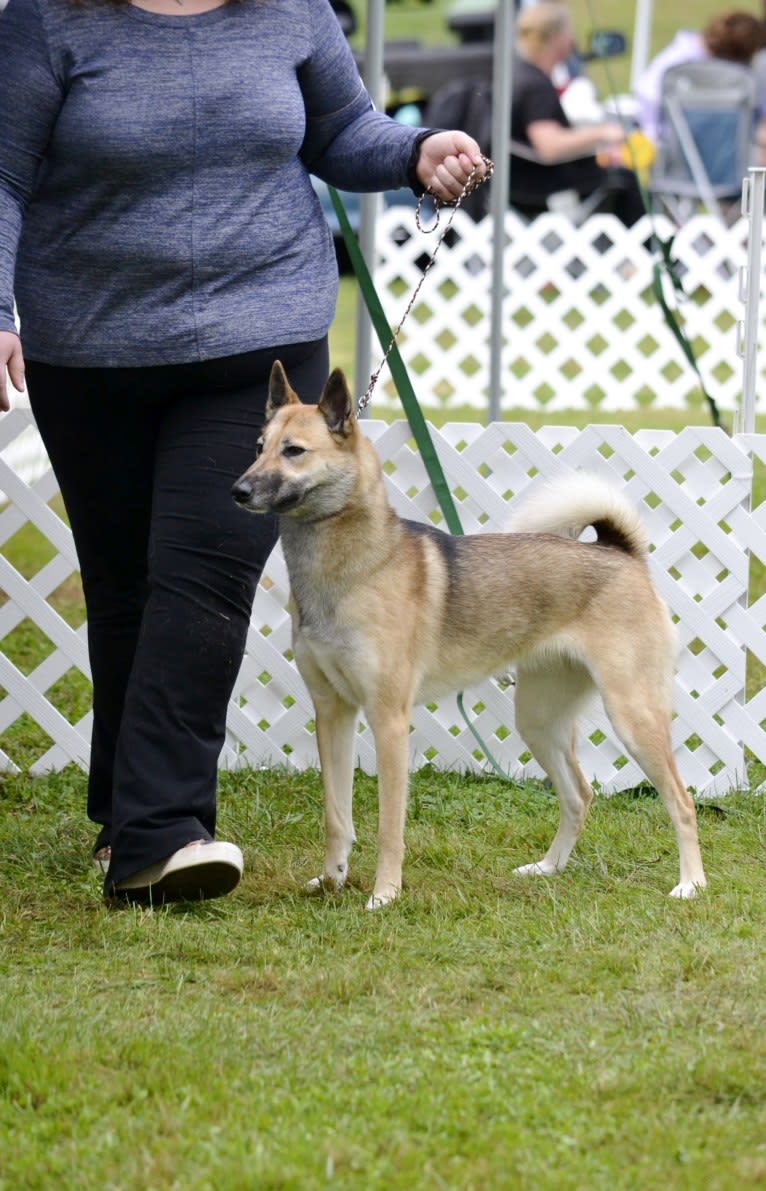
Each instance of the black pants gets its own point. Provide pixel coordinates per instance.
(621, 195)
(145, 459)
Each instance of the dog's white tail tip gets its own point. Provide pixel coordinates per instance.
(568, 504)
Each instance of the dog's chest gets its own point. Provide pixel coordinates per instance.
(339, 657)
(331, 630)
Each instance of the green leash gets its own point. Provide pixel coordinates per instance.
(480, 740)
(670, 267)
(412, 410)
(398, 370)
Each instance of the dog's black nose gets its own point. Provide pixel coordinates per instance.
(242, 490)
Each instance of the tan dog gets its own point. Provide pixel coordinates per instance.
(387, 613)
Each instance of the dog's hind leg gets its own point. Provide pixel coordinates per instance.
(641, 717)
(548, 701)
(336, 729)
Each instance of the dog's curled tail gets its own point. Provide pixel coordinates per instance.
(570, 504)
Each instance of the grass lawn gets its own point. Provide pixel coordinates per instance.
(486, 1032)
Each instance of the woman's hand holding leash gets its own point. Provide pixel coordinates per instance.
(446, 162)
(458, 161)
(12, 359)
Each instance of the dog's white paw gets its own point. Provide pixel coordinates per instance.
(378, 900)
(331, 882)
(687, 889)
(542, 868)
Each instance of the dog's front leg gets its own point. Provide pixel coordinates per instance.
(391, 732)
(336, 728)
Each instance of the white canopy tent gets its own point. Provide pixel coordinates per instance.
(642, 34)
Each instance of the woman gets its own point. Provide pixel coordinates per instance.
(732, 37)
(159, 228)
(564, 157)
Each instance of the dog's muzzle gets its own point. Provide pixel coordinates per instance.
(267, 494)
(242, 491)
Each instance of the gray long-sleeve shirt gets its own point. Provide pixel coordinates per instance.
(155, 200)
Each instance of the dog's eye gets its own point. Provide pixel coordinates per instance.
(292, 450)
(259, 448)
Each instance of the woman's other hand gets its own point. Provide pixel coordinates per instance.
(445, 164)
(610, 132)
(12, 361)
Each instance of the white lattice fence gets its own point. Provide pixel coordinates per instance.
(582, 329)
(694, 489)
(31, 691)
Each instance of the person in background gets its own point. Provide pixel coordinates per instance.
(733, 36)
(164, 246)
(566, 155)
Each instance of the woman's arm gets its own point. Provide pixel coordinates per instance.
(354, 147)
(30, 100)
(553, 142)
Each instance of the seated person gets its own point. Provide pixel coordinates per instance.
(567, 155)
(734, 37)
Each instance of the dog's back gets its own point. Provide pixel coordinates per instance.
(510, 597)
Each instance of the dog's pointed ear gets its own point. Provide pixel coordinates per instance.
(336, 405)
(280, 392)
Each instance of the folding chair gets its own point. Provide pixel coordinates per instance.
(707, 119)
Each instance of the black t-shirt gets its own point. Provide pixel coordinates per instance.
(534, 97)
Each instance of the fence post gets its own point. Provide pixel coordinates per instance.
(753, 189)
(502, 65)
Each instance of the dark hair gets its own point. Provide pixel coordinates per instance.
(735, 36)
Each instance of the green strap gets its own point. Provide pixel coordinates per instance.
(398, 370)
(413, 411)
(480, 740)
(670, 267)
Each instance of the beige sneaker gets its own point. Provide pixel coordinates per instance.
(101, 859)
(204, 869)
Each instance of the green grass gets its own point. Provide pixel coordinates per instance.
(486, 1032)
